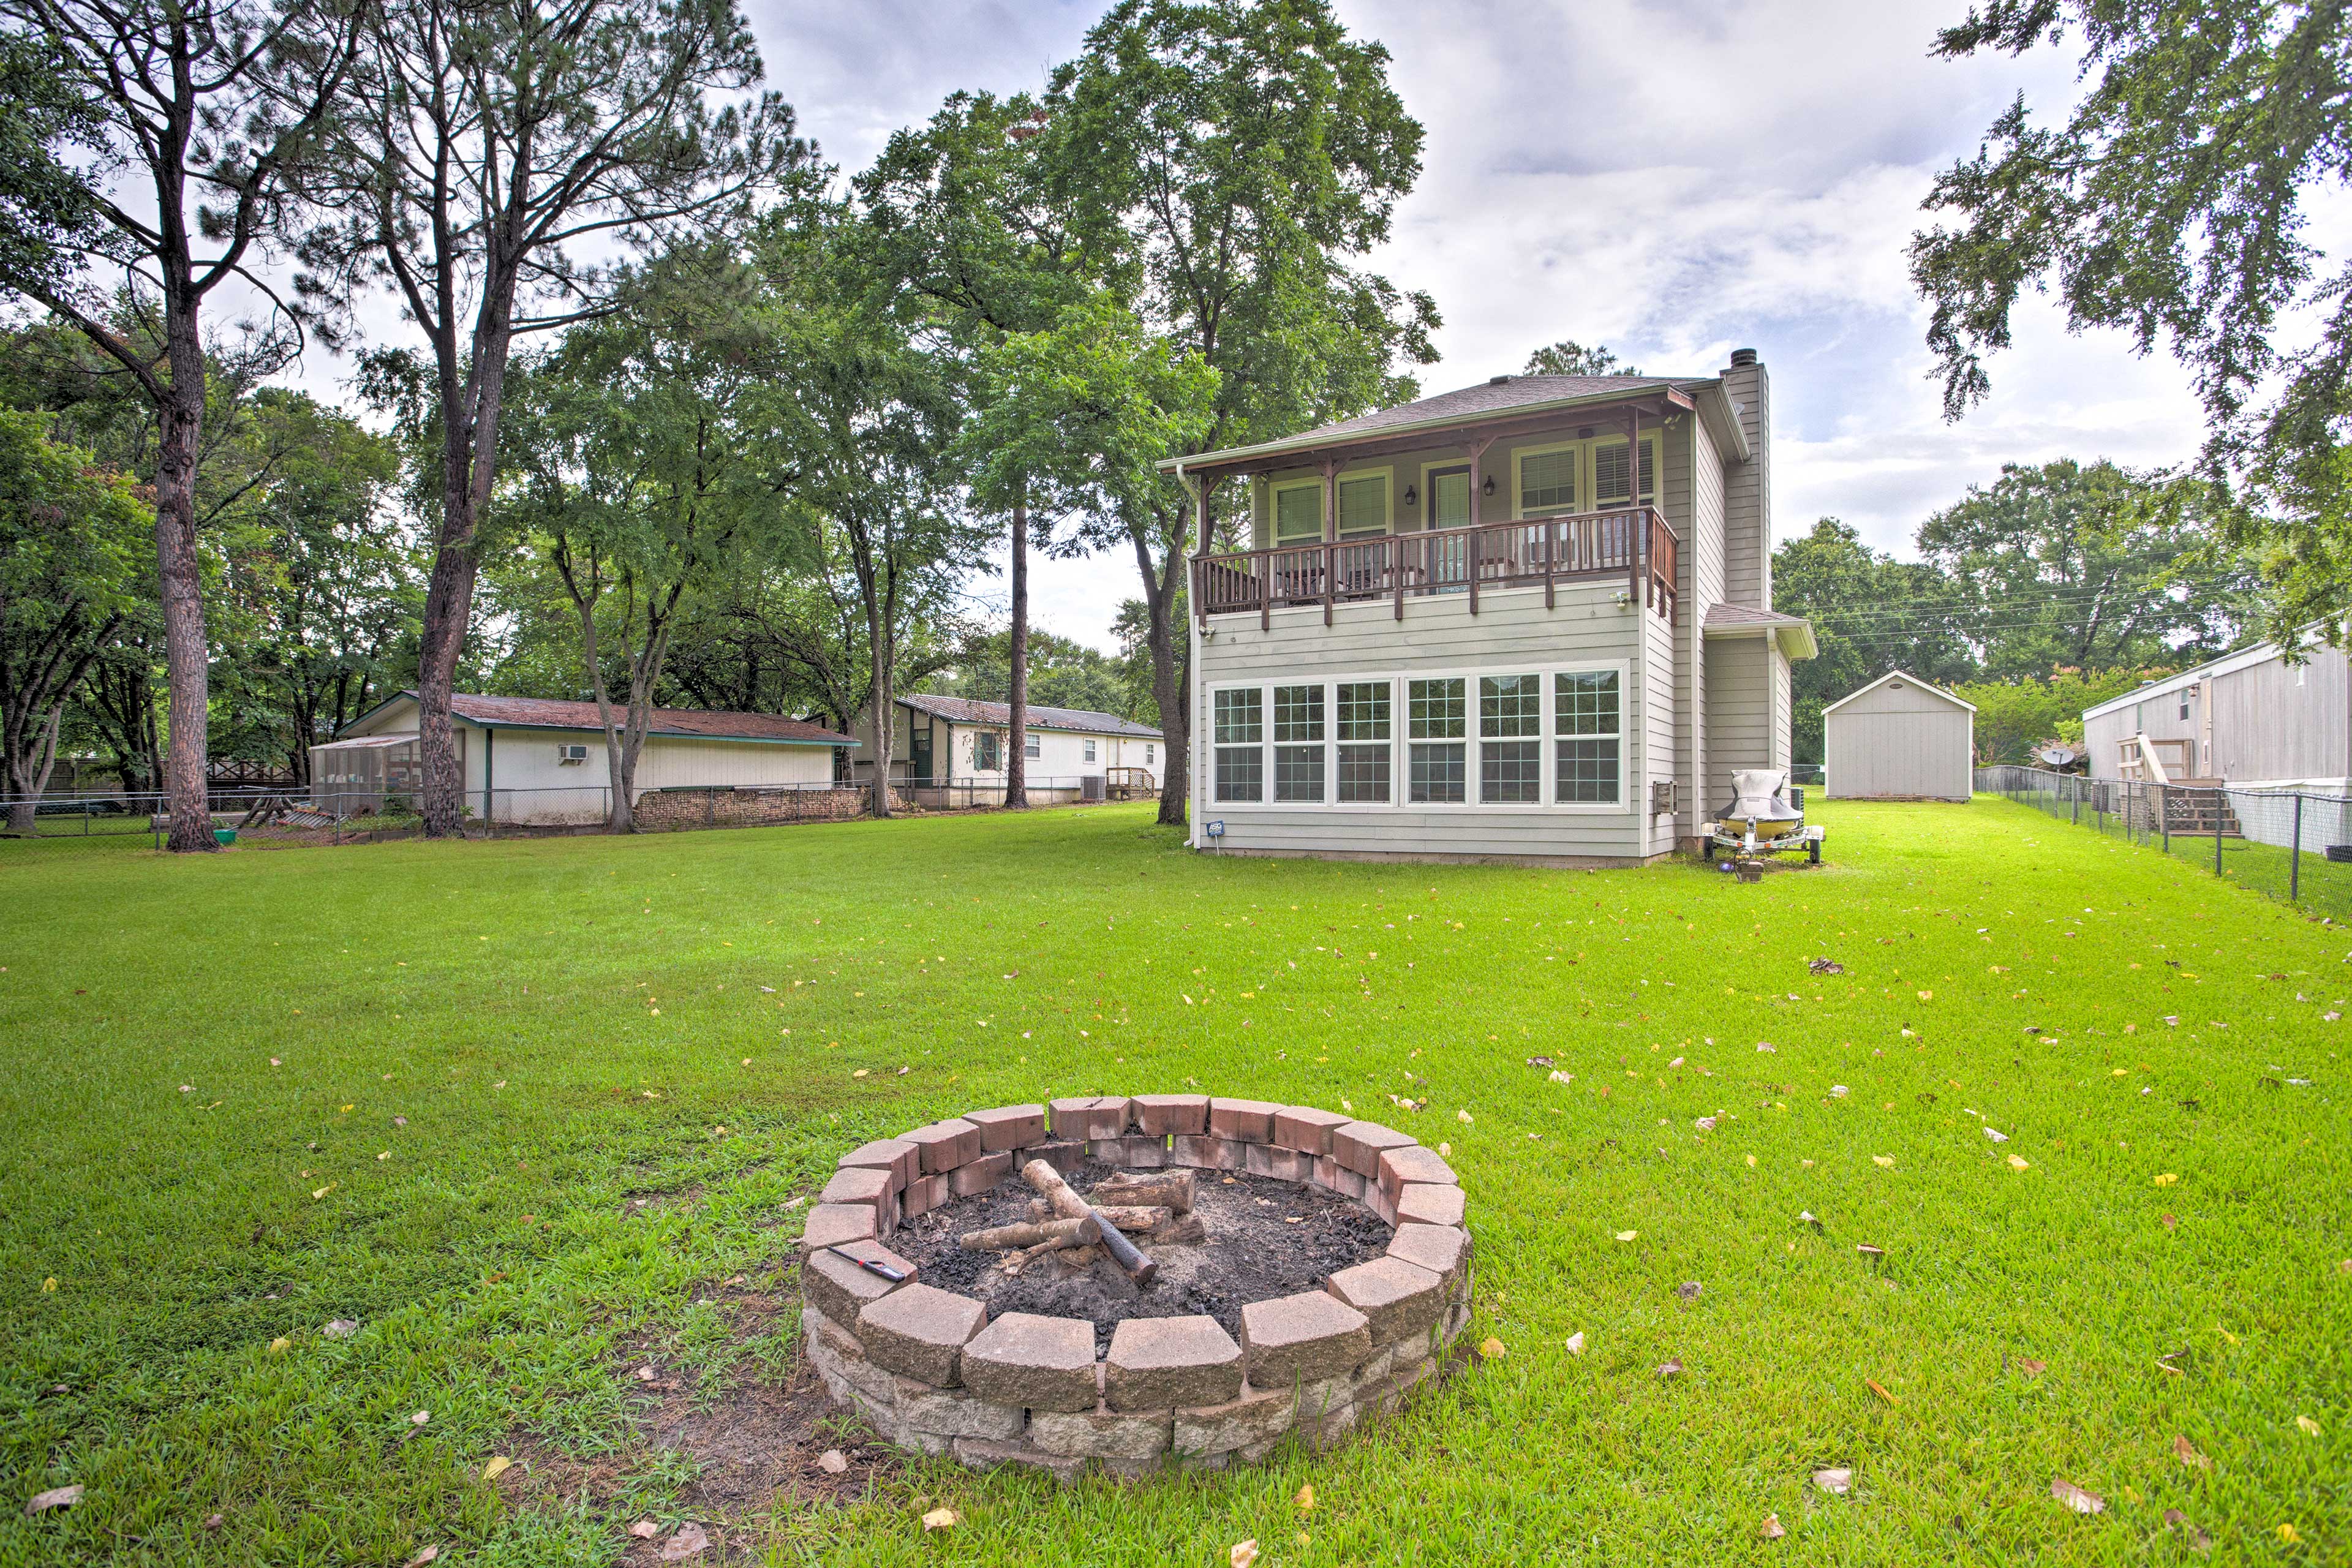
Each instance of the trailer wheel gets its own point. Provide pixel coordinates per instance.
(1813, 852)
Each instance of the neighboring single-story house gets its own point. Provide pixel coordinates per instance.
(1529, 620)
(2249, 719)
(1899, 738)
(532, 761)
(958, 745)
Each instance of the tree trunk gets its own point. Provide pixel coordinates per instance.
(186, 658)
(1017, 765)
(878, 647)
(448, 606)
(1168, 683)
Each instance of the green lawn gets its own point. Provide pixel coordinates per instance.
(422, 1086)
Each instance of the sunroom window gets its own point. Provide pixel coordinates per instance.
(1510, 745)
(1436, 760)
(1239, 728)
(1364, 741)
(1588, 725)
(1299, 743)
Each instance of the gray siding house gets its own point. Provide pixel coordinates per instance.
(1477, 626)
(2250, 719)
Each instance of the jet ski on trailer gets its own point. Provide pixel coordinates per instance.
(1765, 817)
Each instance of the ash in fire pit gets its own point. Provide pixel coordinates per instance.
(1257, 1239)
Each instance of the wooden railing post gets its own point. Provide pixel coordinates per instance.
(1471, 554)
(1396, 558)
(1330, 571)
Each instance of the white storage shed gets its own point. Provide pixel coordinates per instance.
(1899, 738)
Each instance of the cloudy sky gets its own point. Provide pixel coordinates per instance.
(1672, 178)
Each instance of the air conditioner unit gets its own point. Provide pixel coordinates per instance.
(569, 754)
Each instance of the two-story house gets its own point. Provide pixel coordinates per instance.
(1479, 626)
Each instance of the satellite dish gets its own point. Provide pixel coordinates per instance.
(2057, 756)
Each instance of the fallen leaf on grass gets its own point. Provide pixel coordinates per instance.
(2031, 1368)
(499, 1465)
(1627, 1234)
(1670, 1369)
(1305, 1499)
(2287, 1532)
(56, 1497)
(280, 1345)
(1836, 1482)
(2198, 1541)
(689, 1541)
(2189, 1456)
(1690, 1290)
(1882, 1160)
(1243, 1553)
(340, 1329)
(1492, 1349)
(1576, 1343)
(2075, 1497)
(2308, 1424)
(2018, 1162)
(833, 1461)
(1772, 1529)
(645, 1530)
(942, 1518)
(2167, 1179)
(420, 1419)
(1996, 1137)
(1872, 1384)
(1869, 1251)
(422, 1558)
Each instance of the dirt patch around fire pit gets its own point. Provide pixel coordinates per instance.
(1264, 1238)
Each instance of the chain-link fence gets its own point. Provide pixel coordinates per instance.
(2292, 843)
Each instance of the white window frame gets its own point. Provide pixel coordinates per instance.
(1032, 744)
(1090, 749)
(1400, 742)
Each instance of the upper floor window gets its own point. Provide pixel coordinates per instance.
(1363, 506)
(1298, 512)
(1548, 480)
(1608, 472)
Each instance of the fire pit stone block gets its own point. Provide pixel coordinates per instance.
(1087, 1119)
(1301, 1339)
(1306, 1128)
(840, 1289)
(1442, 1249)
(1040, 1363)
(1159, 1364)
(1008, 1127)
(985, 1454)
(981, 1175)
(830, 1224)
(1247, 1121)
(1166, 1115)
(1206, 1153)
(944, 1413)
(875, 1185)
(946, 1145)
(841, 1360)
(1135, 1152)
(1329, 1173)
(891, 1154)
(1276, 1163)
(1102, 1434)
(920, 1331)
(1400, 1298)
(923, 1195)
(1428, 1203)
(1257, 1417)
(1359, 1145)
(1413, 1163)
(1064, 1157)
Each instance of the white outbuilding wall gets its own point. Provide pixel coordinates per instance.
(1899, 738)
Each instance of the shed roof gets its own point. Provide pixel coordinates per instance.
(1084, 720)
(1895, 675)
(694, 723)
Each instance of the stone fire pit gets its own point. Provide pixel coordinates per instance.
(1134, 1380)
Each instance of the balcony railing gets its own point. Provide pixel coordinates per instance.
(1632, 542)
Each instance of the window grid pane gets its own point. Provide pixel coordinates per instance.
(1298, 772)
(1363, 773)
(1364, 710)
(1609, 471)
(1510, 705)
(1510, 773)
(1298, 514)
(1297, 713)
(1548, 481)
(1587, 704)
(1436, 709)
(1436, 774)
(1241, 772)
(1587, 772)
(1238, 722)
(1363, 505)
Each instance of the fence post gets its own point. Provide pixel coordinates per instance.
(2295, 856)
(2164, 816)
(2221, 804)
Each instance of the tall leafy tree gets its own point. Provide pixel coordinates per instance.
(2174, 203)
(203, 105)
(73, 547)
(1568, 357)
(1230, 164)
(487, 150)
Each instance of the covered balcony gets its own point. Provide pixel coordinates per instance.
(1632, 543)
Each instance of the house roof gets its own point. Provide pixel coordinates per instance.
(2238, 659)
(1494, 398)
(1084, 720)
(694, 723)
(1795, 633)
(1894, 675)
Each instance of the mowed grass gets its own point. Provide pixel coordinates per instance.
(417, 1086)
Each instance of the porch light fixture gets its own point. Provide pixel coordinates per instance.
(1411, 496)
(1488, 488)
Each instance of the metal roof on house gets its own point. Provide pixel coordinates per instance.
(693, 723)
(1086, 720)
